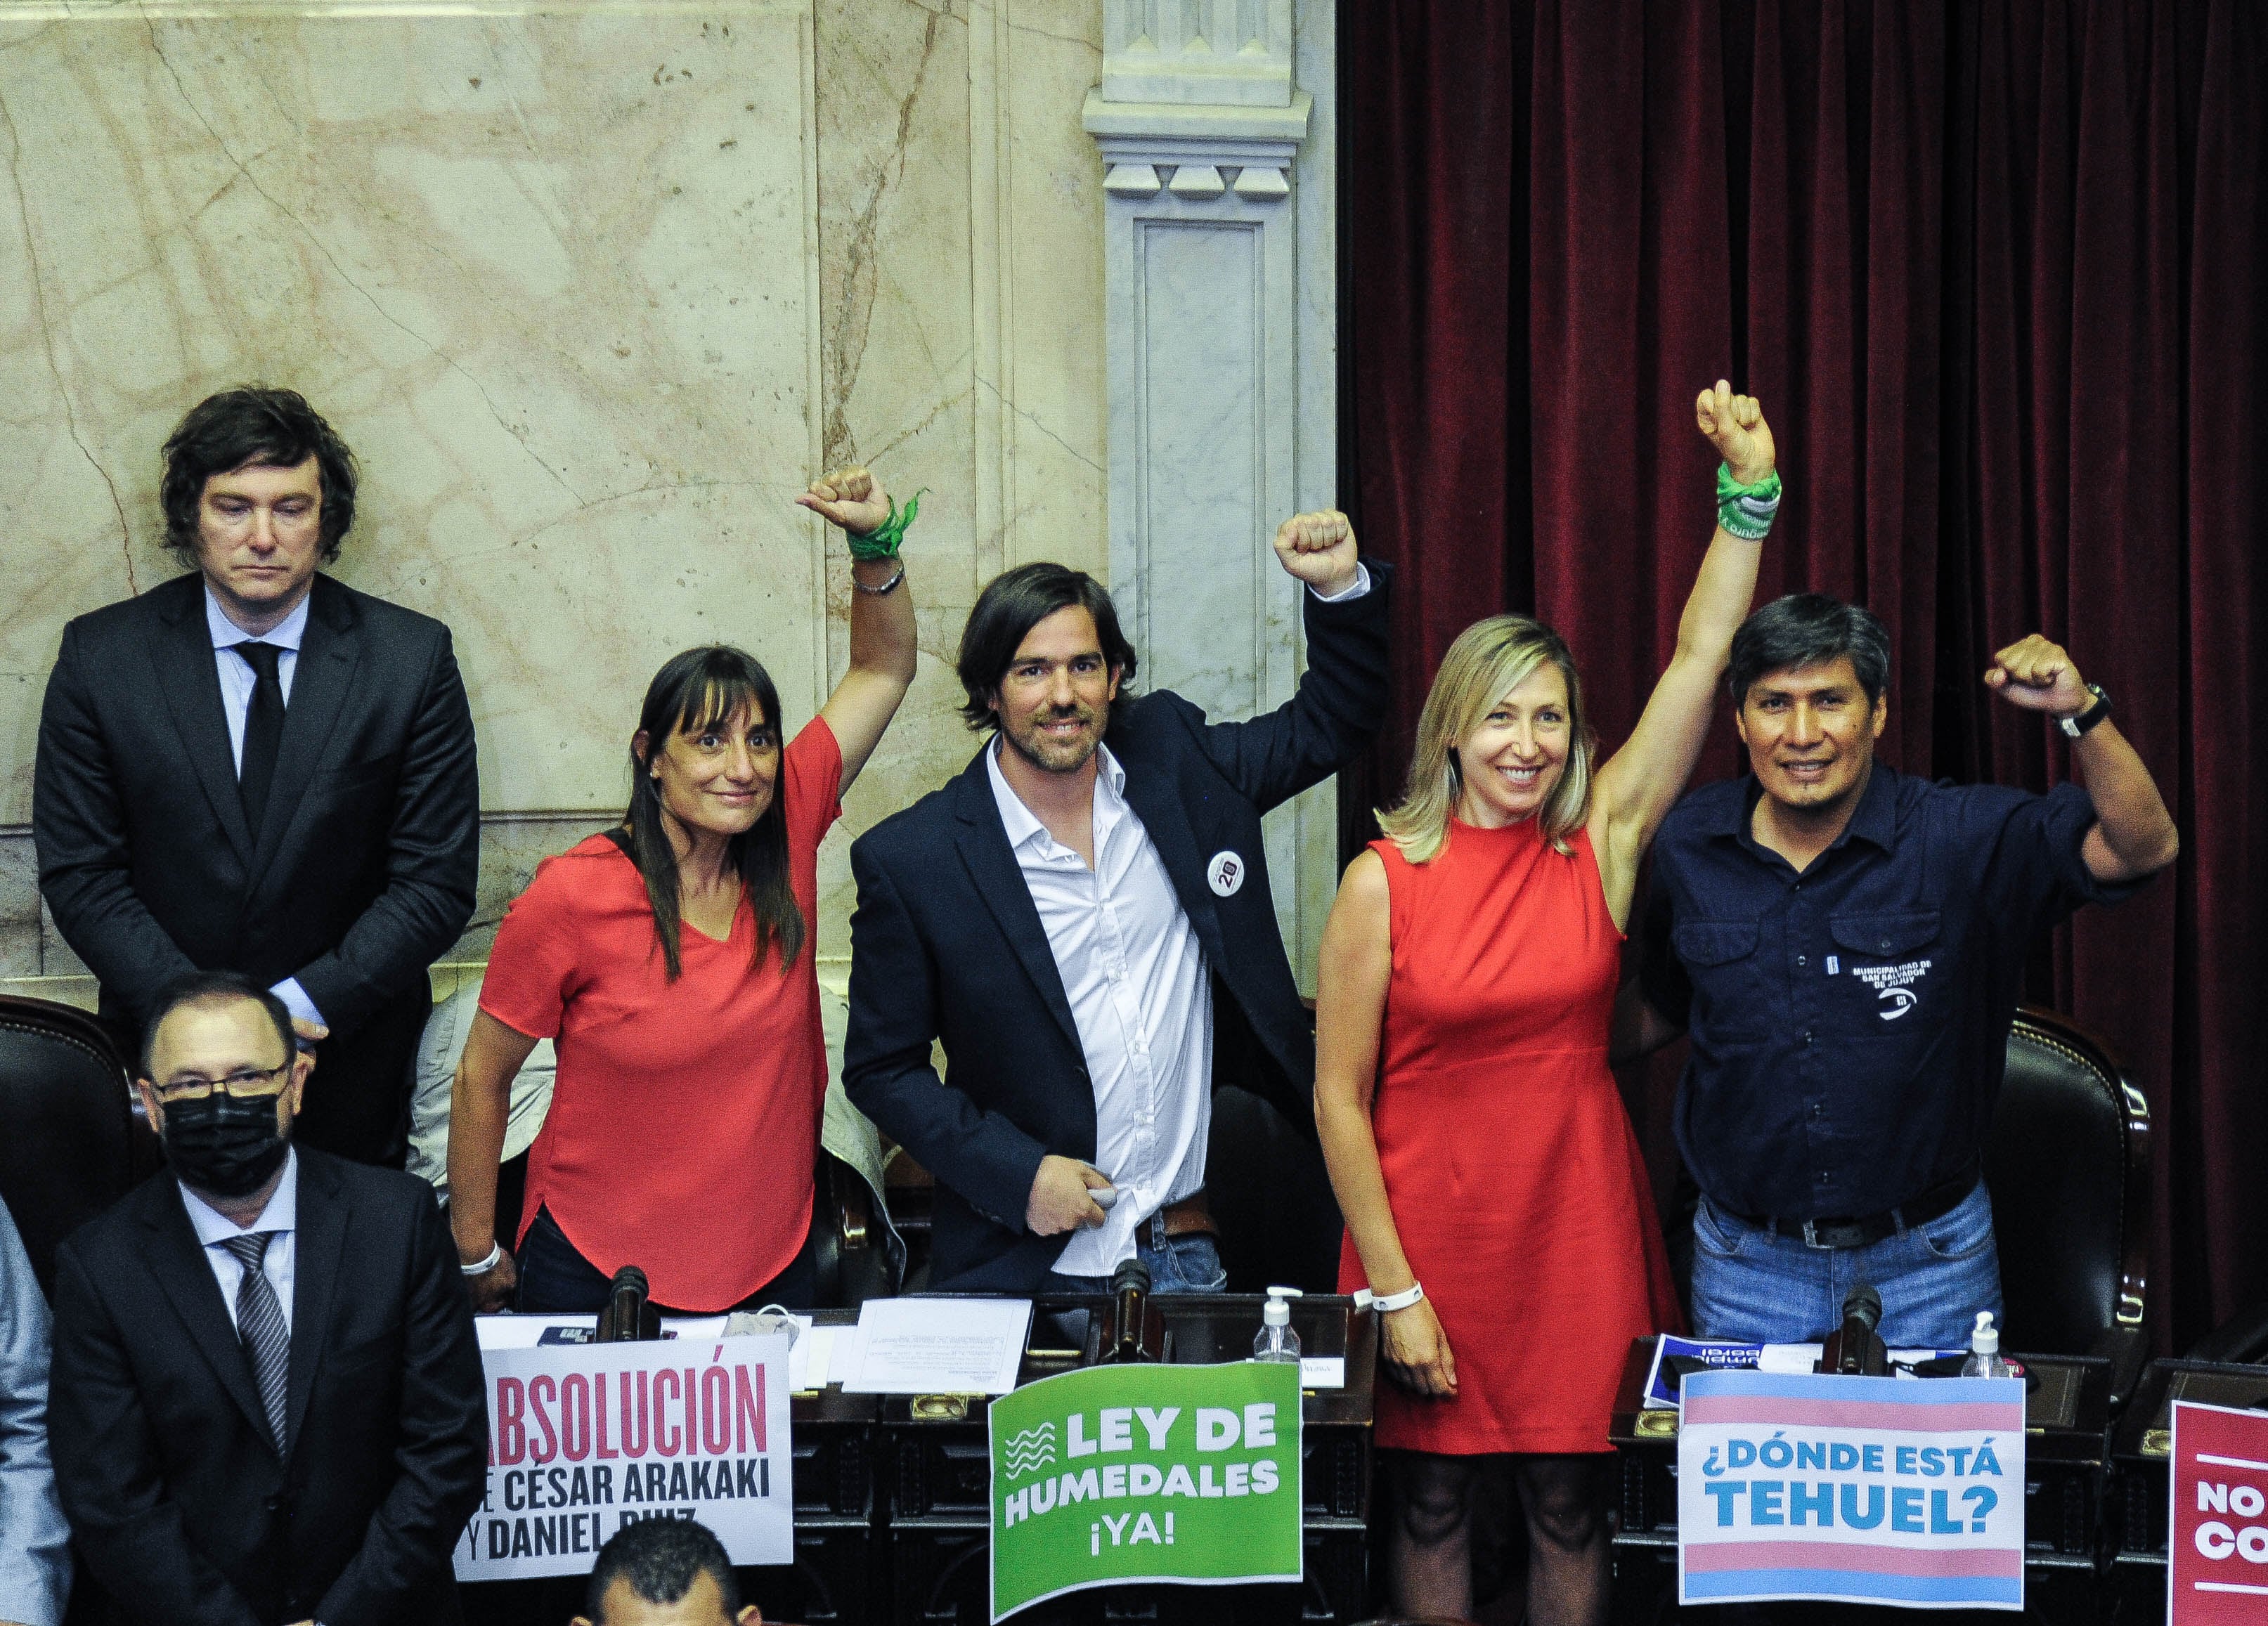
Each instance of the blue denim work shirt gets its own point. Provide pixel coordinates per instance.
(1850, 1025)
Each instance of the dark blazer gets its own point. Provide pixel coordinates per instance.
(947, 944)
(363, 874)
(177, 1500)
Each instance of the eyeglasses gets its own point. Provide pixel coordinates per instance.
(244, 1084)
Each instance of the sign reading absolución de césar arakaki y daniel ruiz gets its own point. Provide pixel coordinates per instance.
(585, 1439)
(1144, 1472)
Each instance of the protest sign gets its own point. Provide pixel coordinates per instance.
(2217, 1533)
(1142, 1472)
(585, 1439)
(1861, 1490)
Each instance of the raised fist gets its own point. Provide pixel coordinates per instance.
(850, 497)
(1735, 426)
(1319, 549)
(2038, 676)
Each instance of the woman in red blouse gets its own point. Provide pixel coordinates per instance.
(671, 961)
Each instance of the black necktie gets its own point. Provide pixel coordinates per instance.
(263, 730)
(260, 1324)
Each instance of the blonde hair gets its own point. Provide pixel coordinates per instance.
(1488, 661)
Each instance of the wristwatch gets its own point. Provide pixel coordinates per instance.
(2074, 726)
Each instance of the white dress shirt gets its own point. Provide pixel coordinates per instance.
(1136, 977)
(236, 680)
(281, 1216)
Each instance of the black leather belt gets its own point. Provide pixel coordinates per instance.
(1867, 1229)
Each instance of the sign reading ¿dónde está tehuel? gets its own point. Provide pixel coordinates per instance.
(585, 1439)
(1145, 1472)
(1895, 1490)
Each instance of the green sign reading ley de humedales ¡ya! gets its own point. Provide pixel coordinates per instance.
(1145, 1472)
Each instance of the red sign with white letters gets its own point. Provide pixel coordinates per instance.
(2217, 1538)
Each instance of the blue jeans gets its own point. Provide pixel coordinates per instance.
(1752, 1284)
(1181, 1264)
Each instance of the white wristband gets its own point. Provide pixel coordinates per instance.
(1402, 1300)
(495, 1258)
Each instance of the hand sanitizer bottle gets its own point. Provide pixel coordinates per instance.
(1985, 1351)
(1276, 1340)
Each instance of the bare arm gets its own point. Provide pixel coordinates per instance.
(1356, 963)
(883, 646)
(2134, 834)
(1641, 781)
(479, 1106)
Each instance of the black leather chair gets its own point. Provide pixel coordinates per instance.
(852, 1252)
(69, 1142)
(2241, 1340)
(2068, 1163)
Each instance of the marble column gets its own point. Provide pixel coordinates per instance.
(1219, 278)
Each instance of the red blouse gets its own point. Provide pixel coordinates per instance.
(684, 1122)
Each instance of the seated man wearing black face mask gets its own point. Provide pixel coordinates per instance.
(266, 1402)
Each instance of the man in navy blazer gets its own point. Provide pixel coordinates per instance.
(1077, 920)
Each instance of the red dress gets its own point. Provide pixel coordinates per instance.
(684, 1119)
(1516, 1184)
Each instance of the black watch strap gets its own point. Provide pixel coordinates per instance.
(2099, 712)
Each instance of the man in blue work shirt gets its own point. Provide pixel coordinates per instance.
(1846, 945)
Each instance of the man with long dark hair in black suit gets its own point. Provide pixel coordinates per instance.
(257, 768)
(1076, 920)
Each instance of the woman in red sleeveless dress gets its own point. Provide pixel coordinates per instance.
(1495, 1198)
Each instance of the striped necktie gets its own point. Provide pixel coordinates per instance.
(260, 1324)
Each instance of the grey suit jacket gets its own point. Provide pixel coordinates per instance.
(35, 1565)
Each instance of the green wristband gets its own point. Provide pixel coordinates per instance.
(1747, 510)
(882, 541)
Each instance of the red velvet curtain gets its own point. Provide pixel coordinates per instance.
(1998, 270)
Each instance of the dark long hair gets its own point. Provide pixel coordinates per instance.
(693, 692)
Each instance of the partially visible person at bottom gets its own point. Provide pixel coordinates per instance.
(35, 1564)
(1495, 1195)
(664, 1573)
(267, 1403)
(670, 960)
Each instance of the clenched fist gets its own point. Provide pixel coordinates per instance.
(2038, 676)
(850, 497)
(1735, 426)
(1319, 549)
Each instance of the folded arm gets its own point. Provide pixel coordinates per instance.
(1342, 696)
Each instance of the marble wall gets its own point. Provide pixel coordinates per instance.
(593, 289)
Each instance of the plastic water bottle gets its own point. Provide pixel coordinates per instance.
(1276, 1340)
(1985, 1351)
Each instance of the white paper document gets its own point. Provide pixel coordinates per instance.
(1322, 1371)
(934, 1346)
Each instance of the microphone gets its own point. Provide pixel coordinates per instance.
(629, 1317)
(1130, 1289)
(1856, 1349)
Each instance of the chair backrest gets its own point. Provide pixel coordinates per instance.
(2068, 1165)
(70, 1144)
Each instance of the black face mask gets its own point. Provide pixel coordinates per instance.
(224, 1146)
